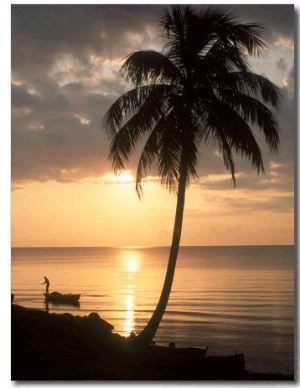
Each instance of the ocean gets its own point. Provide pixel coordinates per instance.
(230, 299)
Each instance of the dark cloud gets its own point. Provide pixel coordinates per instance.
(281, 64)
(292, 73)
(55, 136)
(40, 33)
(62, 88)
(279, 19)
(21, 98)
(76, 156)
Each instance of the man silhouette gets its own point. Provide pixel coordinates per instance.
(46, 281)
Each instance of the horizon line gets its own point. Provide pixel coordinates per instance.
(146, 246)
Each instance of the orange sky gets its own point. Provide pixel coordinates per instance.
(63, 191)
(98, 213)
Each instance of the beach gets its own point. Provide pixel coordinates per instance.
(64, 347)
(152, 212)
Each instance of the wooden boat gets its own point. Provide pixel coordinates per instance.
(169, 355)
(59, 298)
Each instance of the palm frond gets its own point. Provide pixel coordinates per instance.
(227, 124)
(148, 156)
(200, 89)
(170, 151)
(253, 84)
(123, 107)
(228, 159)
(223, 58)
(142, 121)
(147, 66)
(174, 18)
(250, 36)
(146, 98)
(254, 112)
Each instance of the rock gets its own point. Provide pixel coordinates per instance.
(63, 347)
(98, 323)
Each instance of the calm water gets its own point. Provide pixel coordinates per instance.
(227, 298)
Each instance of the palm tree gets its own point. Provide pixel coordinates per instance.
(199, 90)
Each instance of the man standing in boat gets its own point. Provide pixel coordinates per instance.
(46, 281)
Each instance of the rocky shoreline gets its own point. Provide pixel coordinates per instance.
(52, 347)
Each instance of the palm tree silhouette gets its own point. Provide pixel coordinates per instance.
(199, 90)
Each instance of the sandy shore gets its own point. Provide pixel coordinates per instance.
(47, 347)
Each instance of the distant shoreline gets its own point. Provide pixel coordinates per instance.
(153, 246)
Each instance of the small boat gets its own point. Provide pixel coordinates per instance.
(57, 297)
(194, 351)
(168, 355)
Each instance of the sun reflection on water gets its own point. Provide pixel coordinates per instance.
(129, 322)
(132, 263)
(132, 260)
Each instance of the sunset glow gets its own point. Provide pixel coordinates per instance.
(132, 265)
(132, 262)
(150, 163)
(64, 189)
(124, 177)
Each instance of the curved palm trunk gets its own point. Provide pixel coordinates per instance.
(147, 334)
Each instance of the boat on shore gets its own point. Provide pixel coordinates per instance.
(168, 355)
(59, 298)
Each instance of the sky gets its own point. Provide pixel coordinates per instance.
(64, 76)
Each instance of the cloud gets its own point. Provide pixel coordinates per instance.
(277, 18)
(43, 34)
(281, 64)
(65, 62)
(225, 202)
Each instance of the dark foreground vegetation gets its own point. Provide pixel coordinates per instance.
(66, 347)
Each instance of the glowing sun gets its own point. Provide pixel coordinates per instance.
(124, 177)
